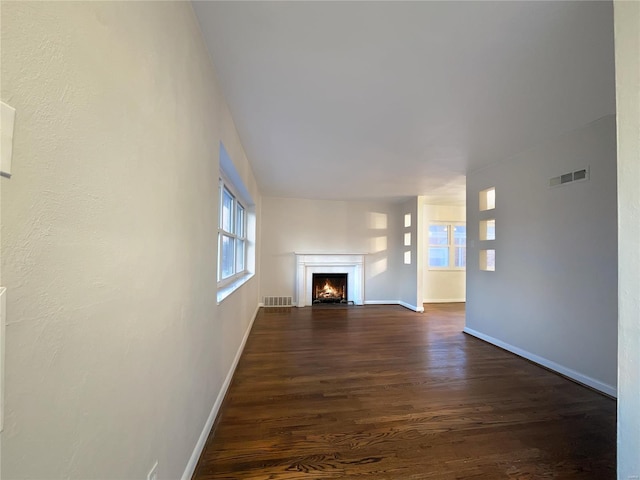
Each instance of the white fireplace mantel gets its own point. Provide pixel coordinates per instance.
(309, 263)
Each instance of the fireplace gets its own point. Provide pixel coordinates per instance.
(329, 288)
(350, 264)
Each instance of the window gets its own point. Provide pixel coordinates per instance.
(231, 235)
(236, 230)
(447, 246)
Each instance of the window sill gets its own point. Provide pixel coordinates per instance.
(446, 269)
(228, 289)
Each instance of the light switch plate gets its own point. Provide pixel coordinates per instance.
(7, 117)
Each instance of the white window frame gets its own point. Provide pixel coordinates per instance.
(231, 179)
(451, 246)
(238, 234)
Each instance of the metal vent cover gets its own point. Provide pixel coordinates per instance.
(278, 301)
(575, 176)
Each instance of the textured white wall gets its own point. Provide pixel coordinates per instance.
(554, 291)
(321, 226)
(442, 285)
(116, 350)
(627, 31)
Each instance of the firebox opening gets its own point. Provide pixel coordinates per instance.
(329, 288)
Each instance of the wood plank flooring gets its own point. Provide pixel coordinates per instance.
(381, 392)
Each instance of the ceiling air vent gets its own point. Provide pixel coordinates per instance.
(578, 175)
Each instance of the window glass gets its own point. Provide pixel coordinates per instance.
(460, 235)
(240, 255)
(460, 243)
(447, 246)
(227, 257)
(439, 257)
(227, 208)
(460, 257)
(438, 235)
(240, 221)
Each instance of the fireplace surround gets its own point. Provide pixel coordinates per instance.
(351, 264)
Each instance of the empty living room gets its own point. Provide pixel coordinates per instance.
(319, 240)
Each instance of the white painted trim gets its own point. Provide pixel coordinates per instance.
(445, 300)
(307, 264)
(395, 302)
(556, 367)
(197, 451)
(419, 309)
(381, 302)
(228, 289)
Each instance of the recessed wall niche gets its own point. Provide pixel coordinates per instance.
(488, 199)
(488, 229)
(488, 260)
(407, 239)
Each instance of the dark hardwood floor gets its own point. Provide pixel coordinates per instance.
(380, 392)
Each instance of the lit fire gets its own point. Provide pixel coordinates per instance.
(328, 291)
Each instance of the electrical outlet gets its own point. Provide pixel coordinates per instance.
(153, 473)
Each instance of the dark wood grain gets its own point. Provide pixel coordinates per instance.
(380, 392)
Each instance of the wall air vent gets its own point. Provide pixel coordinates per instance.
(278, 301)
(580, 174)
(577, 176)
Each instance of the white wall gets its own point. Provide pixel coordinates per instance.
(627, 41)
(321, 226)
(442, 285)
(116, 349)
(554, 292)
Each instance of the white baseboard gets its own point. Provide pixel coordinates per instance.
(445, 300)
(419, 309)
(381, 302)
(556, 367)
(197, 451)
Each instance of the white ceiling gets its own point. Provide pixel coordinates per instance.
(362, 100)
